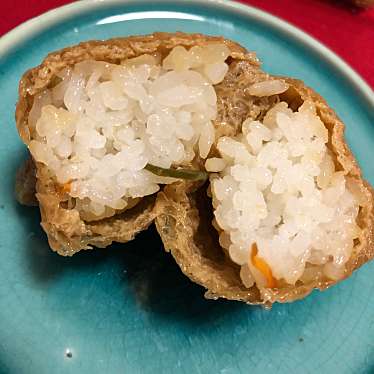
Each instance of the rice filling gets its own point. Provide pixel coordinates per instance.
(283, 211)
(101, 124)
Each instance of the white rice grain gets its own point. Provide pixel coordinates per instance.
(278, 187)
(268, 88)
(102, 123)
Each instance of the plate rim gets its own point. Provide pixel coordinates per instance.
(38, 24)
(15, 37)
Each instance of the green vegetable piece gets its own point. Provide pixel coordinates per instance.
(189, 174)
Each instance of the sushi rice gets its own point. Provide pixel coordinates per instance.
(283, 211)
(102, 123)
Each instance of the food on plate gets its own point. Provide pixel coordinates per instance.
(290, 211)
(247, 176)
(101, 119)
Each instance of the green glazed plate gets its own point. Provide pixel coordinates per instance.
(128, 308)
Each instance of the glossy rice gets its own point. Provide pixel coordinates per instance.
(283, 211)
(102, 123)
(113, 127)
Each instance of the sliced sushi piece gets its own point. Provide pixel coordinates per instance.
(288, 210)
(103, 120)
(128, 131)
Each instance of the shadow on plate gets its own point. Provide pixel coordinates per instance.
(160, 287)
(147, 272)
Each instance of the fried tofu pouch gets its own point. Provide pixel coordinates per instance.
(67, 229)
(183, 211)
(184, 218)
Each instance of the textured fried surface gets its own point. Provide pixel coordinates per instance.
(184, 224)
(25, 183)
(183, 213)
(67, 231)
(182, 216)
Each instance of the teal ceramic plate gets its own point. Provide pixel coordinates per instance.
(128, 309)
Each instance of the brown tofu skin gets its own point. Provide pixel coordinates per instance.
(67, 231)
(183, 211)
(182, 215)
(26, 183)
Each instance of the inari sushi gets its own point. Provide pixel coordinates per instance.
(247, 176)
(103, 120)
(287, 209)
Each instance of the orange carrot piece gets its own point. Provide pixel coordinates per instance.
(262, 266)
